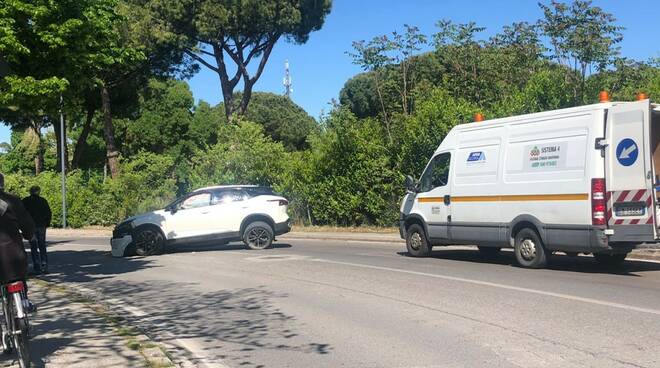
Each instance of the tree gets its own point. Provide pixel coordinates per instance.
(583, 37)
(282, 119)
(406, 45)
(30, 35)
(373, 56)
(216, 33)
(162, 121)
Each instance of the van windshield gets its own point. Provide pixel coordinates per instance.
(437, 173)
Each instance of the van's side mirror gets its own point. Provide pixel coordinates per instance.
(410, 184)
(171, 209)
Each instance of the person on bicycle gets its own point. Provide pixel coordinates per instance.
(15, 225)
(37, 206)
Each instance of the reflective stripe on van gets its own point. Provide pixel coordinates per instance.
(615, 198)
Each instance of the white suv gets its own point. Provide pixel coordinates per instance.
(226, 213)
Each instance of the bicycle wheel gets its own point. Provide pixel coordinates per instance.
(21, 344)
(7, 317)
(21, 325)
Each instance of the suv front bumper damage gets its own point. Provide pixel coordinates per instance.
(119, 245)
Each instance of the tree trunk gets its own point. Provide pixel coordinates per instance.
(39, 158)
(58, 140)
(382, 104)
(81, 143)
(112, 154)
(247, 95)
(228, 99)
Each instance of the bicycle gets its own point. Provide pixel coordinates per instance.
(15, 324)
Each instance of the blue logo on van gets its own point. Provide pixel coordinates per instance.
(627, 152)
(476, 156)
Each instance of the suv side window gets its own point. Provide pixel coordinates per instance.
(228, 196)
(195, 201)
(437, 173)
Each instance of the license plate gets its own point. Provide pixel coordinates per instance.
(630, 209)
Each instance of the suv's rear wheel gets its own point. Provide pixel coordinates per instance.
(416, 242)
(148, 241)
(258, 235)
(529, 249)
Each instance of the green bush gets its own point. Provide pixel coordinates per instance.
(146, 184)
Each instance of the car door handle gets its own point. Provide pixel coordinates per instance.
(447, 199)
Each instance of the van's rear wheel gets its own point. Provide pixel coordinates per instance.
(610, 259)
(416, 242)
(529, 249)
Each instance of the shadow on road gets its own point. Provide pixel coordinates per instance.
(231, 323)
(83, 266)
(557, 262)
(215, 246)
(62, 337)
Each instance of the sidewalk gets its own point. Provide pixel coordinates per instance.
(68, 333)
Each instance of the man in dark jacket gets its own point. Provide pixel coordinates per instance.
(15, 224)
(39, 209)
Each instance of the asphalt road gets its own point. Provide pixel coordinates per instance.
(315, 303)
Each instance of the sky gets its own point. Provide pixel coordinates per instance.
(320, 67)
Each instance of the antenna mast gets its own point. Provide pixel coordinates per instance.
(288, 84)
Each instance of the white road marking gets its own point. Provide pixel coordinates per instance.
(500, 286)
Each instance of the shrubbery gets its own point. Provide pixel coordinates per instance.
(146, 184)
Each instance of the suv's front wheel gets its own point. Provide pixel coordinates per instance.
(258, 235)
(148, 241)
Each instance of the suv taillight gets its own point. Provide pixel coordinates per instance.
(281, 202)
(598, 203)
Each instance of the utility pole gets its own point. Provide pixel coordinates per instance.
(63, 168)
(288, 84)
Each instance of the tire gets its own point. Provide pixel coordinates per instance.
(529, 249)
(610, 259)
(22, 350)
(416, 241)
(148, 241)
(489, 251)
(258, 235)
(21, 339)
(7, 315)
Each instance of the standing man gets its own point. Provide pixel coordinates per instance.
(39, 209)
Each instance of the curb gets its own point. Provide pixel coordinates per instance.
(366, 239)
(135, 338)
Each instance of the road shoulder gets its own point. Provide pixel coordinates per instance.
(70, 330)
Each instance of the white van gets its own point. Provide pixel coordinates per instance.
(577, 180)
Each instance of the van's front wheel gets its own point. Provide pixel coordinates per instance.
(529, 249)
(416, 242)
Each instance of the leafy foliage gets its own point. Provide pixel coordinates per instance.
(345, 170)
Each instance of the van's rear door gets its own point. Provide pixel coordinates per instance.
(628, 172)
